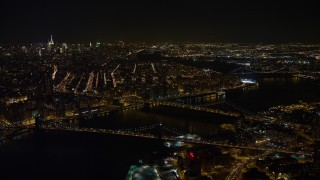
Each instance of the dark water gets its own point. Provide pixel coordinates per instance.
(276, 91)
(89, 156)
(72, 156)
(188, 121)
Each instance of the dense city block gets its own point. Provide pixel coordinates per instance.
(185, 110)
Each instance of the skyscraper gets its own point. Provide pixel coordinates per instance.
(50, 43)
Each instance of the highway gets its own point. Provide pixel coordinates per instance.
(236, 172)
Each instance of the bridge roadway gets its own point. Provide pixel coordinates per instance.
(248, 115)
(194, 107)
(98, 112)
(91, 113)
(168, 102)
(186, 96)
(168, 138)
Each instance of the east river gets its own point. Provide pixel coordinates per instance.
(89, 156)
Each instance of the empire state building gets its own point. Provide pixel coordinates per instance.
(50, 43)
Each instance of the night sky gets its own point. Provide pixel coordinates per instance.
(159, 21)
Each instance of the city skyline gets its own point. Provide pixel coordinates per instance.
(185, 111)
(164, 90)
(165, 21)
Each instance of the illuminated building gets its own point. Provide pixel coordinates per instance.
(50, 43)
(24, 49)
(97, 44)
(194, 164)
(64, 48)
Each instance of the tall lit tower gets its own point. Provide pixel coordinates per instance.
(50, 43)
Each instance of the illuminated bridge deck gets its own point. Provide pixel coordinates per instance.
(170, 138)
(197, 108)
